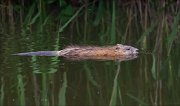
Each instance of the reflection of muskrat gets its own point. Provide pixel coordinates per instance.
(88, 51)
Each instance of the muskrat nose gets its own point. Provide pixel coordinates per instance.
(136, 51)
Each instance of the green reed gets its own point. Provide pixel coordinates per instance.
(113, 23)
(89, 76)
(2, 92)
(113, 100)
(112, 16)
(153, 69)
(62, 91)
(138, 100)
(44, 91)
(172, 36)
(70, 20)
(21, 90)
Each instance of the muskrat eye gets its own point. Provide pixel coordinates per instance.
(127, 48)
(117, 48)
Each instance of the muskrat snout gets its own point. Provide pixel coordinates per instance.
(127, 50)
(135, 51)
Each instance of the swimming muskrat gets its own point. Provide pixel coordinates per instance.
(117, 50)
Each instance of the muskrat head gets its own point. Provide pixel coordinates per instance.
(126, 50)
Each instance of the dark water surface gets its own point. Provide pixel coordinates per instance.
(150, 79)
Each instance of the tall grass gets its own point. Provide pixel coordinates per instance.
(113, 100)
(112, 16)
(173, 35)
(61, 29)
(21, 90)
(113, 23)
(44, 92)
(62, 91)
(2, 92)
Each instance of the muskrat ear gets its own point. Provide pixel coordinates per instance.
(119, 44)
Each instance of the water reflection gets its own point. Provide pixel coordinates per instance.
(35, 80)
(104, 58)
(79, 58)
(135, 80)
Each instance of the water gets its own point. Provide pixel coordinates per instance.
(149, 79)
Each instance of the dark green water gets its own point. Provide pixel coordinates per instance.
(150, 79)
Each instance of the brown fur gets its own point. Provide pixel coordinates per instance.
(88, 51)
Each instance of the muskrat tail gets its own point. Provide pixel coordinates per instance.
(39, 53)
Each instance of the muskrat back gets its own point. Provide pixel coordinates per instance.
(117, 50)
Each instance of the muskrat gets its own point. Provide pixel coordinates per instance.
(117, 50)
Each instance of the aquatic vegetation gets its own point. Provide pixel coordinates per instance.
(41, 25)
(113, 21)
